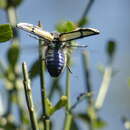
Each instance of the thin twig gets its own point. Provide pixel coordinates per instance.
(104, 88)
(68, 116)
(90, 109)
(80, 98)
(29, 99)
(85, 56)
(46, 120)
(87, 9)
(68, 84)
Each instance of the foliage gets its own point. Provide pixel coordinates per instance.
(66, 26)
(13, 57)
(82, 22)
(6, 32)
(110, 49)
(9, 3)
(12, 82)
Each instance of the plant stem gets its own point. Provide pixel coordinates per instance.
(12, 19)
(29, 99)
(11, 16)
(104, 88)
(68, 116)
(85, 57)
(46, 120)
(87, 9)
(91, 109)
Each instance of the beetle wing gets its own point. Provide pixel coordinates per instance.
(36, 31)
(78, 33)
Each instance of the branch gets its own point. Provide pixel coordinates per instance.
(45, 117)
(104, 88)
(68, 116)
(29, 99)
(87, 9)
(90, 110)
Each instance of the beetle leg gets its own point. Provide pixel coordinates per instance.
(80, 46)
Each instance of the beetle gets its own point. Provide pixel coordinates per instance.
(55, 56)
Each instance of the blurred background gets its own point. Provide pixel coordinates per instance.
(113, 20)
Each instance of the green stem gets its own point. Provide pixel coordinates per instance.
(91, 110)
(68, 116)
(12, 19)
(85, 60)
(11, 16)
(46, 120)
(104, 88)
(29, 99)
(87, 9)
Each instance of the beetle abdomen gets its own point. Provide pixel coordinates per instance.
(55, 61)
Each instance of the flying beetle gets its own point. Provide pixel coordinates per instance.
(55, 57)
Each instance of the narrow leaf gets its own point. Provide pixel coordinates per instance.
(82, 22)
(61, 103)
(13, 55)
(99, 123)
(84, 116)
(6, 32)
(74, 125)
(111, 48)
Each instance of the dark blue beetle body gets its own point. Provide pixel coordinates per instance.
(55, 61)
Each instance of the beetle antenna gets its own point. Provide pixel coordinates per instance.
(39, 24)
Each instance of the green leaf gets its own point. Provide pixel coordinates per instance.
(3, 4)
(99, 123)
(49, 107)
(84, 116)
(74, 125)
(14, 3)
(66, 26)
(111, 48)
(13, 54)
(10, 126)
(82, 22)
(61, 103)
(6, 32)
(34, 70)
